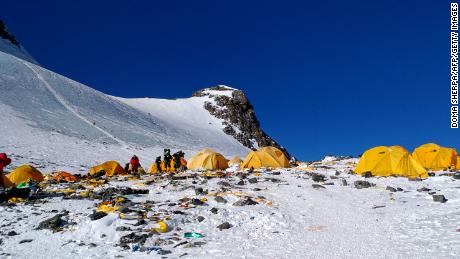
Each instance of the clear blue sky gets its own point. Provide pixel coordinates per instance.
(325, 77)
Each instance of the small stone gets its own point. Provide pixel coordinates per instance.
(241, 183)
(224, 225)
(25, 241)
(456, 175)
(220, 199)
(245, 201)
(198, 191)
(318, 186)
(337, 173)
(163, 252)
(391, 189)
(367, 174)
(122, 228)
(431, 174)
(328, 183)
(197, 202)
(318, 177)
(257, 189)
(423, 189)
(214, 210)
(12, 233)
(344, 182)
(252, 180)
(439, 198)
(200, 218)
(399, 189)
(363, 184)
(97, 215)
(53, 223)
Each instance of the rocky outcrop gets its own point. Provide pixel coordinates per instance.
(6, 35)
(239, 120)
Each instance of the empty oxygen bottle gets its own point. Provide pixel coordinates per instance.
(193, 235)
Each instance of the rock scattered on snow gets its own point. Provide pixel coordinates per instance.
(54, 223)
(318, 177)
(439, 198)
(318, 186)
(97, 215)
(391, 189)
(224, 225)
(245, 201)
(220, 199)
(363, 184)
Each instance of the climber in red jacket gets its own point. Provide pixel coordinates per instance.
(134, 165)
(4, 161)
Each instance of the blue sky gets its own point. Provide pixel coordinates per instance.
(325, 77)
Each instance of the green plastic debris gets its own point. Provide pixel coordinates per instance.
(23, 185)
(192, 235)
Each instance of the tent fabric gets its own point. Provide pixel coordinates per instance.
(434, 157)
(111, 168)
(387, 161)
(7, 182)
(458, 164)
(64, 176)
(24, 173)
(266, 157)
(207, 159)
(236, 160)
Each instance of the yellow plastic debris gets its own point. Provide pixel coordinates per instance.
(107, 208)
(162, 227)
(16, 200)
(85, 194)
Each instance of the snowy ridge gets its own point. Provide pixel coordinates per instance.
(53, 106)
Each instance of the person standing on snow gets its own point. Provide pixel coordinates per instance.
(158, 163)
(176, 157)
(167, 159)
(134, 165)
(4, 161)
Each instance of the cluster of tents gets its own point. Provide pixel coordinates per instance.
(208, 159)
(379, 161)
(396, 160)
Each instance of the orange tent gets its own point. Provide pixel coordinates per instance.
(65, 177)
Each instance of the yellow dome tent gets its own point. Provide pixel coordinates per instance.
(207, 159)
(24, 173)
(111, 168)
(435, 157)
(266, 157)
(387, 161)
(458, 163)
(236, 160)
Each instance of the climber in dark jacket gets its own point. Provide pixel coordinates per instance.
(167, 159)
(176, 161)
(158, 163)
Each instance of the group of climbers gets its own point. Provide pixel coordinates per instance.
(170, 163)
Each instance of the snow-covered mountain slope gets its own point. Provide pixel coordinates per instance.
(52, 103)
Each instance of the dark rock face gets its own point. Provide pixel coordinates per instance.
(239, 117)
(6, 35)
